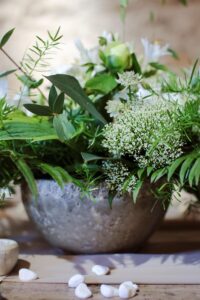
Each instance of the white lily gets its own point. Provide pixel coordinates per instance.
(153, 51)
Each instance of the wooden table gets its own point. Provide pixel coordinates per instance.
(172, 237)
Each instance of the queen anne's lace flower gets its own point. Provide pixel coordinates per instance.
(116, 176)
(147, 133)
(129, 78)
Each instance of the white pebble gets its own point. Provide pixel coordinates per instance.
(100, 270)
(127, 290)
(75, 280)
(27, 275)
(108, 291)
(82, 291)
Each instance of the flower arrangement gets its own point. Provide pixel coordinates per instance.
(113, 116)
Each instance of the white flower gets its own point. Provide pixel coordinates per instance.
(114, 107)
(3, 87)
(129, 78)
(153, 51)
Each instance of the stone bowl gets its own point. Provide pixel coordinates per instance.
(9, 251)
(78, 223)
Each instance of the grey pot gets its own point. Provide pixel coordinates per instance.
(77, 224)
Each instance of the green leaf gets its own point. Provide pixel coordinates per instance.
(135, 64)
(103, 83)
(140, 172)
(59, 104)
(40, 110)
(89, 157)
(52, 97)
(185, 167)
(65, 175)
(149, 170)
(6, 37)
(26, 128)
(158, 66)
(195, 173)
(64, 128)
(26, 172)
(184, 2)
(4, 74)
(111, 196)
(172, 169)
(71, 87)
(173, 53)
(30, 83)
(158, 174)
(53, 172)
(136, 189)
(193, 71)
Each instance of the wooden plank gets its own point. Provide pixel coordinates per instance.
(32, 291)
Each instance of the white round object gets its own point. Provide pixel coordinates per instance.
(75, 280)
(27, 275)
(108, 291)
(82, 291)
(100, 270)
(9, 251)
(127, 290)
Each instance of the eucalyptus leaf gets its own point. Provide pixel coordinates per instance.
(52, 97)
(59, 104)
(40, 110)
(71, 87)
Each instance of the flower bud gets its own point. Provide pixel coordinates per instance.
(117, 56)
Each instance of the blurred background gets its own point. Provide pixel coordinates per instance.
(167, 21)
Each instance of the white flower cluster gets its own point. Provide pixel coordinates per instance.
(117, 174)
(148, 133)
(129, 79)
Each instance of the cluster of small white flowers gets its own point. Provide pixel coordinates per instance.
(147, 134)
(115, 107)
(129, 78)
(116, 174)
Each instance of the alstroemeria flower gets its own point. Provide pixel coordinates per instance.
(153, 51)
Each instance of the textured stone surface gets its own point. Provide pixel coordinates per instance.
(76, 223)
(9, 251)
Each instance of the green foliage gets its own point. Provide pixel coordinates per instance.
(103, 83)
(6, 37)
(38, 56)
(71, 87)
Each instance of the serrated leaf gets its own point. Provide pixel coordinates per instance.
(103, 83)
(40, 110)
(6, 37)
(53, 172)
(27, 173)
(71, 87)
(59, 104)
(52, 97)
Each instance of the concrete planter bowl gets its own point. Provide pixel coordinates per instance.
(78, 224)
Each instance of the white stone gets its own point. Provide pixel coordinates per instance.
(108, 291)
(27, 275)
(82, 291)
(9, 251)
(75, 280)
(127, 290)
(100, 270)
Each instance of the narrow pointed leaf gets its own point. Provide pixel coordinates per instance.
(59, 104)
(40, 110)
(6, 37)
(52, 97)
